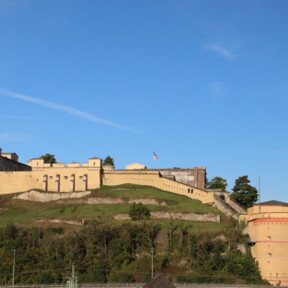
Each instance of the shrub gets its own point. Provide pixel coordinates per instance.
(138, 211)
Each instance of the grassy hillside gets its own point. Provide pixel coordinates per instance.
(48, 238)
(69, 213)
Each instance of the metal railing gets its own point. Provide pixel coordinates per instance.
(137, 285)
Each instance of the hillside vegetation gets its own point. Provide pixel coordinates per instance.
(72, 211)
(109, 250)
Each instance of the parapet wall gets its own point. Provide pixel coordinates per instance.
(51, 179)
(225, 204)
(194, 177)
(153, 178)
(38, 163)
(17, 181)
(235, 205)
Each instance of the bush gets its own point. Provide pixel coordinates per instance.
(138, 211)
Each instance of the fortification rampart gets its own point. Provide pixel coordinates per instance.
(268, 230)
(51, 179)
(58, 177)
(16, 181)
(74, 176)
(153, 178)
(195, 177)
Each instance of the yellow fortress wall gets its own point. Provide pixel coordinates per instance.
(59, 177)
(74, 176)
(153, 178)
(17, 181)
(268, 230)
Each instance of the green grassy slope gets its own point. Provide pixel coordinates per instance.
(28, 213)
(109, 250)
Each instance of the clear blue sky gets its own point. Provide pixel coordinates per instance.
(198, 82)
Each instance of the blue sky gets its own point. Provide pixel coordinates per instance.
(198, 82)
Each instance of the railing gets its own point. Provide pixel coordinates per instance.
(139, 285)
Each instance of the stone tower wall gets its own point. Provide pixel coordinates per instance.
(7, 164)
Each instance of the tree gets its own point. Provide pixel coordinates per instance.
(49, 158)
(138, 211)
(108, 160)
(217, 183)
(243, 193)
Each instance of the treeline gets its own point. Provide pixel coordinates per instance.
(102, 253)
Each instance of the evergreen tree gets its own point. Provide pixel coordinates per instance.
(243, 193)
(108, 160)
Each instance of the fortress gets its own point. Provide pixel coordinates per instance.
(268, 230)
(267, 222)
(59, 177)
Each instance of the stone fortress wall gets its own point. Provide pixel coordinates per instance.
(194, 177)
(268, 230)
(154, 178)
(60, 177)
(57, 177)
(70, 177)
(9, 162)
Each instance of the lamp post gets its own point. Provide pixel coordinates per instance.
(152, 262)
(13, 275)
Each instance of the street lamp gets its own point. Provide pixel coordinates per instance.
(13, 276)
(152, 263)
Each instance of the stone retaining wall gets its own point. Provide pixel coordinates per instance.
(210, 217)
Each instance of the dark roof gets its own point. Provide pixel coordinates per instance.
(159, 281)
(94, 158)
(272, 203)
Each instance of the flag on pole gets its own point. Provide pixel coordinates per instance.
(155, 157)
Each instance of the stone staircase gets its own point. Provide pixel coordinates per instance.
(222, 201)
(225, 204)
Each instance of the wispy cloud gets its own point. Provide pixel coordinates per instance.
(220, 50)
(218, 89)
(12, 137)
(63, 108)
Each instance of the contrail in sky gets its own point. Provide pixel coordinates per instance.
(63, 108)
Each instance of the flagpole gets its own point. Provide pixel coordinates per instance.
(155, 157)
